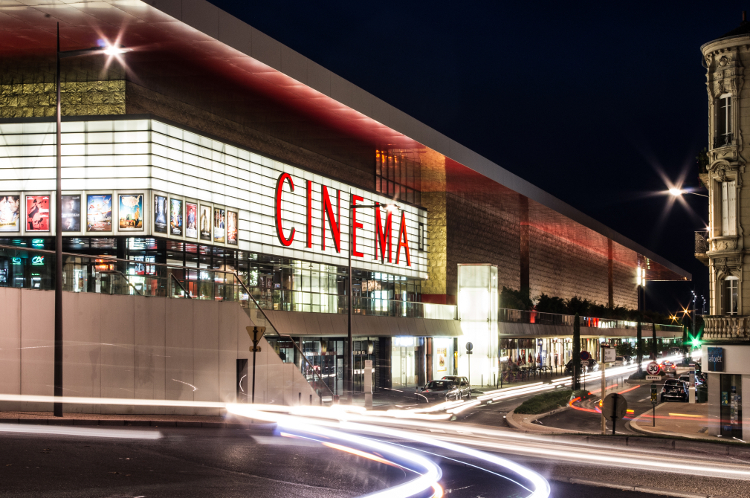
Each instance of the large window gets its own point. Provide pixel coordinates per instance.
(730, 295)
(728, 208)
(724, 121)
(397, 176)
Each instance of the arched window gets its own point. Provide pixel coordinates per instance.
(730, 295)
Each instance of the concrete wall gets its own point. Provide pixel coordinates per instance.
(135, 347)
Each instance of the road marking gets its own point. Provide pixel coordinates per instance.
(684, 415)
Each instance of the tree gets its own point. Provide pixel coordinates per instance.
(625, 349)
(550, 304)
(515, 299)
(576, 353)
(578, 306)
(654, 353)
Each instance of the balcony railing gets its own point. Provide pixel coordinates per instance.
(726, 328)
(701, 242)
(540, 318)
(723, 140)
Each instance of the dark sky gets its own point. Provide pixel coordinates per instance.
(587, 100)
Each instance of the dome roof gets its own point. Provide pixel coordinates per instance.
(742, 29)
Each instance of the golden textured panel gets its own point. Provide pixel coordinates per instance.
(87, 98)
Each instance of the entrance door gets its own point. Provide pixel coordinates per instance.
(731, 406)
(243, 395)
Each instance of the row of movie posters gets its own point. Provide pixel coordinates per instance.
(177, 217)
(37, 213)
(169, 216)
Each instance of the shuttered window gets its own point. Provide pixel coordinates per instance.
(728, 208)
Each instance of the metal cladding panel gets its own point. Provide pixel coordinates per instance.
(149, 157)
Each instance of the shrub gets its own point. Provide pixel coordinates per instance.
(545, 402)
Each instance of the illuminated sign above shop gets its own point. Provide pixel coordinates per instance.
(37, 260)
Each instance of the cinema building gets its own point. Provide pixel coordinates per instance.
(213, 179)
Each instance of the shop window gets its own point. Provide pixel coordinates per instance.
(730, 295)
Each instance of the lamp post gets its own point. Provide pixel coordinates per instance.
(110, 50)
(641, 305)
(349, 364)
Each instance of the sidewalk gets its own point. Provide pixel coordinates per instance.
(675, 419)
(46, 418)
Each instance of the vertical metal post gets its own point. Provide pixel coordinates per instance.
(348, 367)
(604, 389)
(58, 350)
(252, 398)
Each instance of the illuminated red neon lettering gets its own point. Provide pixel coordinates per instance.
(309, 213)
(405, 243)
(355, 225)
(383, 235)
(279, 230)
(333, 223)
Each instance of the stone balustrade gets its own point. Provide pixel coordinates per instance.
(726, 328)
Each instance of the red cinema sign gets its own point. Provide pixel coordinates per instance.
(331, 220)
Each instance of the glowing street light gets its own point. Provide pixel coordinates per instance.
(678, 192)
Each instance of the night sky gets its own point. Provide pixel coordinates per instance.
(593, 102)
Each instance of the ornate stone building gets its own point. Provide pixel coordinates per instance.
(726, 331)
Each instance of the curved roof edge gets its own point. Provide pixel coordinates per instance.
(222, 26)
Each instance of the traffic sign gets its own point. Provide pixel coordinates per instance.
(653, 368)
(653, 377)
(615, 406)
(256, 334)
(585, 355)
(469, 347)
(609, 354)
(653, 393)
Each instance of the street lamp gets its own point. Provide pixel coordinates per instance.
(110, 50)
(349, 365)
(677, 192)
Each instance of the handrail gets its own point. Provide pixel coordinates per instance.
(118, 272)
(187, 293)
(301, 353)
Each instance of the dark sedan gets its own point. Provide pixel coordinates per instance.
(674, 390)
(439, 390)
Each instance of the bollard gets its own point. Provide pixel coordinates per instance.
(311, 400)
(299, 399)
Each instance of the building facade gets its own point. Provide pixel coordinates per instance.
(212, 162)
(727, 330)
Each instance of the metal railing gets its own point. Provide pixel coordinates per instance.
(23, 268)
(536, 317)
(701, 242)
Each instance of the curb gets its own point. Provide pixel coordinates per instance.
(524, 423)
(622, 487)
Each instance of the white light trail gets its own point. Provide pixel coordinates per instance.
(79, 431)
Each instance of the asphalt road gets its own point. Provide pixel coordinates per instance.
(204, 462)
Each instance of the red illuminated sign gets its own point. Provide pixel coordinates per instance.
(383, 230)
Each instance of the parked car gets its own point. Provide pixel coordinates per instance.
(461, 382)
(440, 390)
(686, 378)
(619, 361)
(589, 365)
(674, 390)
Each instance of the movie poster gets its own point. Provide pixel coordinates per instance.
(99, 213)
(175, 216)
(191, 215)
(71, 213)
(160, 214)
(131, 212)
(37, 213)
(10, 213)
(232, 227)
(219, 224)
(205, 223)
